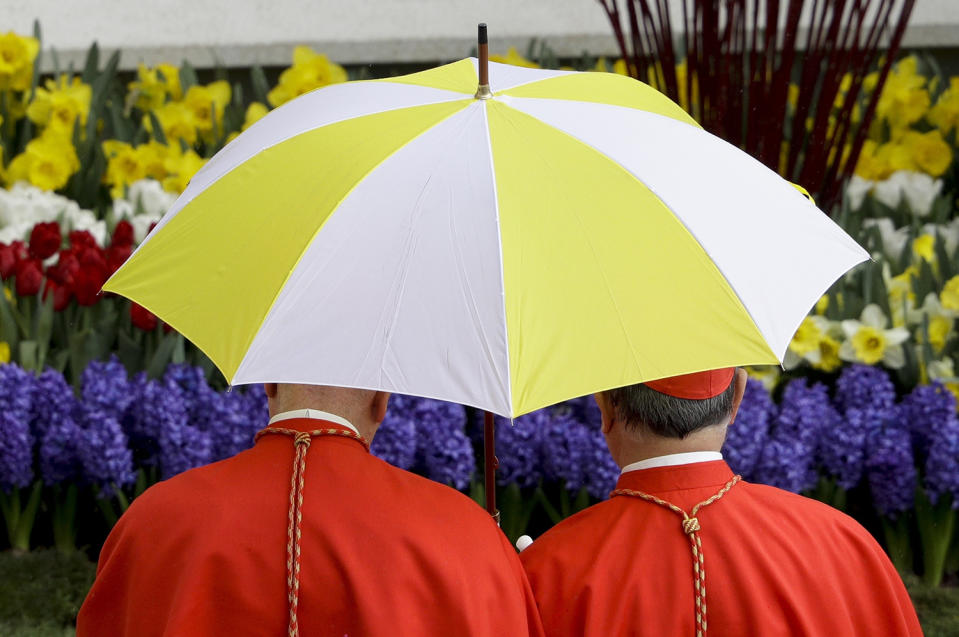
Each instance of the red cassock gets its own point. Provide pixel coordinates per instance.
(383, 552)
(776, 564)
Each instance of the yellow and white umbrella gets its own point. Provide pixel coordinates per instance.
(570, 233)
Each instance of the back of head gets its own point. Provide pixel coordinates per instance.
(678, 406)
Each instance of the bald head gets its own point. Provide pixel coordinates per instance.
(365, 408)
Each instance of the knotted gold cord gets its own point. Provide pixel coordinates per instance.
(301, 443)
(691, 528)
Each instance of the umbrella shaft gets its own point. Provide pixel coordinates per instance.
(489, 438)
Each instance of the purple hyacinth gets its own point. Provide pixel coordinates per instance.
(444, 452)
(395, 440)
(54, 422)
(105, 384)
(231, 426)
(842, 453)
(565, 444)
(942, 464)
(197, 394)
(805, 412)
(102, 449)
(182, 445)
(786, 463)
(891, 468)
(258, 405)
(17, 388)
(864, 387)
(747, 435)
(518, 448)
(52, 397)
(16, 440)
(925, 410)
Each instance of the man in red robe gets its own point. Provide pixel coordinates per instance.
(306, 533)
(683, 546)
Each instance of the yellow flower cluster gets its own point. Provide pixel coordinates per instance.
(167, 164)
(17, 54)
(199, 115)
(59, 105)
(310, 71)
(47, 162)
(916, 128)
(153, 87)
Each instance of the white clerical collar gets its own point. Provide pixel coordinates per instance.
(673, 459)
(314, 414)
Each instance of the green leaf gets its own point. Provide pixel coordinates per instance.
(187, 76)
(261, 88)
(92, 64)
(44, 329)
(9, 331)
(28, 355)
(129, 352)
(122, 128)
(179, 351)
(158, 133)
(162, 355)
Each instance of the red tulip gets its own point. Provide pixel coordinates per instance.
(123, 234)
(45, 240)
(117, 255)
(61, 294)
(65, 269)
(82, 239)
(87, 284)
(142, 317)
(29, 277)
(10, 256)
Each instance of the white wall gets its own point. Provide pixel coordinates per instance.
(243, 32)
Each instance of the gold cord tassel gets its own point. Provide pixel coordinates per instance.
(301, 444)
(691, 528)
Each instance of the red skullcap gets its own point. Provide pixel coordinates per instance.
(697, 386)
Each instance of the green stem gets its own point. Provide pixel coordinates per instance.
(64, 519)
(26, 518)
(936, 528)
(10, 507)
(551, 511)
(564, 503)
(898, 543)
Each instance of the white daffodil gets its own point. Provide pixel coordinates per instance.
(856, 190)
(941, 320)
(869, 341)
(893, 239)
(902, 297)
(889, 190)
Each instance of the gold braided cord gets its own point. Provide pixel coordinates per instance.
(301, 443)
(691, 528)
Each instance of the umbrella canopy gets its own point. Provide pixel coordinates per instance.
(573, 233)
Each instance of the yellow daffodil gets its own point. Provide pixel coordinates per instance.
(940, 320)
(768, 375)
(153, 87)
(254, 113)
(869, 341)
(945, 114)
(4, 352)
(924, 248)
(177, 121)
(124, 166)
(513, 57)
(58, 105)
(310, 71)
(17, 54)
(152, 156)
(807, 337)
(620, 67)
(902, 297)
(949, 297)
(871, 165)
(47, 162)
(180, 168)
(207, 104)
(828, 359)
(929, 151)
(822, 304)
(904, 98)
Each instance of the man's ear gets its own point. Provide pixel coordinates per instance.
(380, 402)
(740, 380)
(270, 390)
(606, 410)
